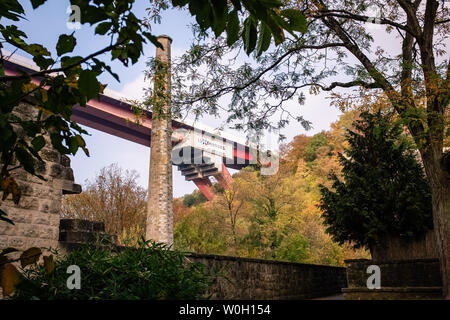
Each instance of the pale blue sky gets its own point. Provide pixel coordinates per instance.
(44, 26)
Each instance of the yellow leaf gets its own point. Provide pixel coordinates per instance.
(71, 82)
(102, 87)
(49, 264)
(10, 186)
(28, 87)
(30, 256)
(9, 279)
(44, 95)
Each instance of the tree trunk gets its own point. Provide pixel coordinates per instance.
(438, 176)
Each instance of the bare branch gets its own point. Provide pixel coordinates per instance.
(348, 15)
(50, 71)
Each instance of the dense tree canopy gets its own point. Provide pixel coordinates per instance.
(383, 191)
(272, 217)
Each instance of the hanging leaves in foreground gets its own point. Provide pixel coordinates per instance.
(10, 277)
(30, 256)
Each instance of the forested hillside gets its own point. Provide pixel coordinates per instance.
(271, 217)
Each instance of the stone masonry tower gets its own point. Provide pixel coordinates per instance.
(159, 225)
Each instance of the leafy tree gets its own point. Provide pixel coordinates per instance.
(279, 218)
(317, 141)
(115, 198)
(203, 230)
(344, 53)
(383, 191)
(194, 198)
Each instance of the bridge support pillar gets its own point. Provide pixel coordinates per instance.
(159, 226)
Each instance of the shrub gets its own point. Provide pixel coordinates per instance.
(150, 271)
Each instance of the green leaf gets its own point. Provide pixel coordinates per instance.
(42, 62)
(66, 43)
(264, 38)
(37, 3)
(25, 159)
(11, 9)
(103, 28)
(249, 35)
(297, 21)
(38, 143)
(277, 30)
(152, 39)
(36, 50)
(219, 10)
(232, 28)
(88, 84)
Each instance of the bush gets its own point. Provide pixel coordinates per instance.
(151, 271)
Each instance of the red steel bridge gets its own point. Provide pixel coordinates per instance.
(211, 153)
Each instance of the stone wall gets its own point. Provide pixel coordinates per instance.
(37, 215)
(400, 279)
(243, 278)
(256, 279)
(396, 248)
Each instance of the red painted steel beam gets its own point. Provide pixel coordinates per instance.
(204, 185)
(224, 178)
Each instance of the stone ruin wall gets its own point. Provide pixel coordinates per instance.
(37, 215)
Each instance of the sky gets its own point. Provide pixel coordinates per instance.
(46, 23)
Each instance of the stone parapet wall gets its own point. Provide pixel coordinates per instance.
(256, 279)
(396, 248)
(399, 279)
(400, 273)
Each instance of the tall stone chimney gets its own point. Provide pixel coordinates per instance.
(159, 225)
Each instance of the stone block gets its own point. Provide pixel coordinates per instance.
(41, 167)
(30, 231)
(29, 203)
(75, 225)
(51, 155)
(54, 220)
(18, 215)
(56, 170)
(21, 243)
(3, 240)
(65, 161)
(41, 218)
(67, 174)
(76, 236)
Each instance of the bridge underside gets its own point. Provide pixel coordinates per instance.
(115, 116)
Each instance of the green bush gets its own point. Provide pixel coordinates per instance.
(150, 271)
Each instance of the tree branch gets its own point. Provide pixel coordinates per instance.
(410, 10)
(348, 15)
(273, 65)
(45, 72)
